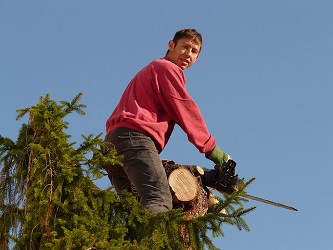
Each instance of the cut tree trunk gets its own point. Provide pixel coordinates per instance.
(188, 193)
(187, 189)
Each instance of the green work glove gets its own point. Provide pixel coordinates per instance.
(218, 156)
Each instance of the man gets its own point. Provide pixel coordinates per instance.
(140, 126)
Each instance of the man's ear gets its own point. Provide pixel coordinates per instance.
(171, 45)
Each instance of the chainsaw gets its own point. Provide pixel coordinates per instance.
(225, 182)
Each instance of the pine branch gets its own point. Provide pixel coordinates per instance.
(69, 107)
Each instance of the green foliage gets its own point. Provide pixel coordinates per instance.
(49, 200)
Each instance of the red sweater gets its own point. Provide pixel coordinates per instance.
(155, 100)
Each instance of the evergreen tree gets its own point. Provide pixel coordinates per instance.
(49, 200)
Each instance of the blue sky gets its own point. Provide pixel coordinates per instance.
(263, 82)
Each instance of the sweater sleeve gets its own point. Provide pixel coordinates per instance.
(182, 109)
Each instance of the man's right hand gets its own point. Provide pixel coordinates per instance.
(218, 156)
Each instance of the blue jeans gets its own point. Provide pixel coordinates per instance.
(144, 173)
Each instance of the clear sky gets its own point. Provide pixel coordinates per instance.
(263, 82)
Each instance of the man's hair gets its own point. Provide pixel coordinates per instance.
(187, 33)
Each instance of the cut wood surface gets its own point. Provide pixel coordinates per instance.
(183, 185)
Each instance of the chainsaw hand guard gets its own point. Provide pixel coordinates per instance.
(222, 178)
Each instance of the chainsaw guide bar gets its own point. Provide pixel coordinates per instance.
(265, 201)
(268, 202)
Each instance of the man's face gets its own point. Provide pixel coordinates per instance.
(184, 53)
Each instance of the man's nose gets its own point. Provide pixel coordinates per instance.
(188, 52)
